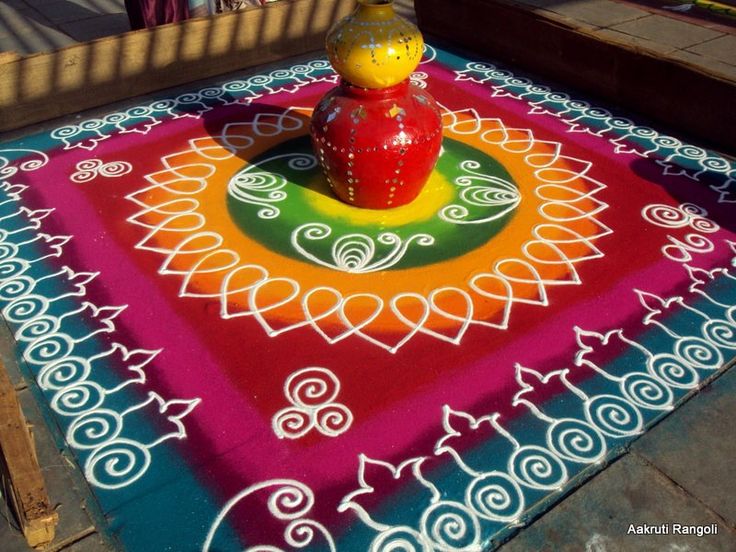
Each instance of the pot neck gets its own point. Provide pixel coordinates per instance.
(378, 9)
(374, 93)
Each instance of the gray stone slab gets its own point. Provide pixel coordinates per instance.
(60, 11)
(722, 48)
(666, 30)
(634, 42)
(91, 543)
(705, 63)
(597, 516)
(96, 27)
(27, 31)
(11, 537)
(601, 13)
(696, 446)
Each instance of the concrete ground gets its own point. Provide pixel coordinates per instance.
(681, 471)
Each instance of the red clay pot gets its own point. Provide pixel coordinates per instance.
(377, 147)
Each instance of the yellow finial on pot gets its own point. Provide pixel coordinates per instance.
(373, 47)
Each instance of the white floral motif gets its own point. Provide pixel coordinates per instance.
(562, 203)
(356, 253)
(265, 188)
(312, 393)
(481, 190)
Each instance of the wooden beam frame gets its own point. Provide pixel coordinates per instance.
(82, 76)
(688, 98)
(20, 470)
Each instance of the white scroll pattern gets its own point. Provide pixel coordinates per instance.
(47, 329)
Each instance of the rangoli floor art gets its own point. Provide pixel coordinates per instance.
(239, 361)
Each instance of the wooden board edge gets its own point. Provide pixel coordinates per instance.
(670, 91)
(82, 76)
(21, 470)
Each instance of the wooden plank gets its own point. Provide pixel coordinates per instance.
(21, 470)
(82, 76)
(691, 99)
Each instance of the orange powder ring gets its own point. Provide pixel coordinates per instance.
(455, 272)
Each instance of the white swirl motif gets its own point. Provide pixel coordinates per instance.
(356, 253)
(481, 190)
(90, 169)
(264, 188)
(537, 468)
(451, 526)
(9, 165)
(576, 441)
(312, 393)
(117, 464)
(495, 496)
(614, 416)
(699, 353)
(646, 391)
(289, 501)
(673, 370)
(720, 333)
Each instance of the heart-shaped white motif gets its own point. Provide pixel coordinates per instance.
(486, 285)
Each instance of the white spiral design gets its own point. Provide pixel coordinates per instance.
(699, 353)
(576, 441)
(646, 391)
(451, 527)
(665, 215)
(114, 169)
(702, 224)
(333, 419)
(720, 333)
(692, 152)
(292, 423)
(614, 416)
(10, 268)
(8, 250)
(538, 468)
(495, 496)
(17, 287)
(64, 372)
(94, 429)
(290, 501)
(37, 327)
(49, 348)
(312, 387)
(673, 370)
(400, 539)
(300, 533)
(25, 308)
(78, 398)
(117, 464)
(664, 141)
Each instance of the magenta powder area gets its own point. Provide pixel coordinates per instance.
(217, 394)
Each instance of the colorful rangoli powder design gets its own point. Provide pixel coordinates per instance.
(203, 319)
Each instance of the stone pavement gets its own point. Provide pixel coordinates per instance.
(709, 47)
(28, 26)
